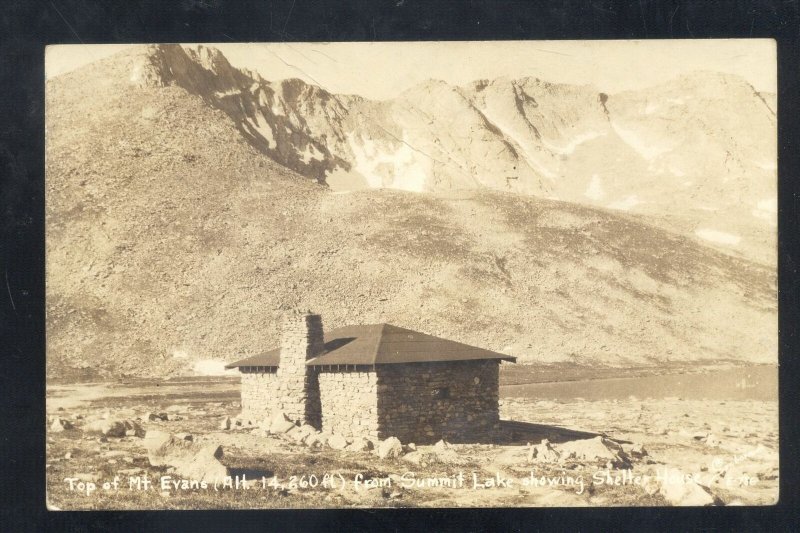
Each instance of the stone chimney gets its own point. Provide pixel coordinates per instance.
(302, 339)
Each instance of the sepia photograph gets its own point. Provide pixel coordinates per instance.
(411, 274)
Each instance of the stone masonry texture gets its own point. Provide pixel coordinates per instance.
(423, 402)
(416, 402)
(349, 402)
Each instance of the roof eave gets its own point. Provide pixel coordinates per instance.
(319, 361)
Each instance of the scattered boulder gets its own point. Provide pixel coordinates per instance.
(244, 421)
(337, 442)
(317, 440)
(306, 433)
(390, 448)
(184, 436)
(132, 429)
(543, 453)
(595, 449)
(416, 457)
(59, 425)
(681, 490)
(302, 432)
(107, 427)
(225, 424)
(280, 424)
(360, 444)
(635, 450)
(444, 452)
(191, 460)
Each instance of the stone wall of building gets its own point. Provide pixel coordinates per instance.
(259, 392)
(298, 394)
(423, 402)
(349, 402)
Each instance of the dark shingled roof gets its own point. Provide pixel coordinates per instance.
(379, 344)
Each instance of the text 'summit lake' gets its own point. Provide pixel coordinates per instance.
(745, 383)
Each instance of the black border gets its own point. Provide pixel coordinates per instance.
(26, 26)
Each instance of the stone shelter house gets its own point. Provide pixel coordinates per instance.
(375, 381)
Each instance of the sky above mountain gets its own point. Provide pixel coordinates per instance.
(383, 70)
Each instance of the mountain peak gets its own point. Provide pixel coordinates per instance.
(199, 70)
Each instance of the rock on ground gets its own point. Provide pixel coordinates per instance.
(543, 453)
(189, 459)
(317, 440)
(111, 427)
(635, 450)
(596, 449)
(60, 425)
(391, 447)
(360, 444)
(337, 442)
(680, 491)
(280, 424)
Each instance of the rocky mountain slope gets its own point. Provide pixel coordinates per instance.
(698, 152)
(174, 237)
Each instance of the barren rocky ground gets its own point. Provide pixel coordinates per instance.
(723, 452)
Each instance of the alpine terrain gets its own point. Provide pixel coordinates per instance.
(190, 202)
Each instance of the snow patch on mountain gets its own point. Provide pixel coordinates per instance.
(311, 153)
(277, 108)
(594, 191)
(719, 237)
(383, 166)
(573, 143)
(261, 125)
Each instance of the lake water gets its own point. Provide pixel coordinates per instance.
(742, 383)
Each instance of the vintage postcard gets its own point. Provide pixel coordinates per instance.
(439, 274)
